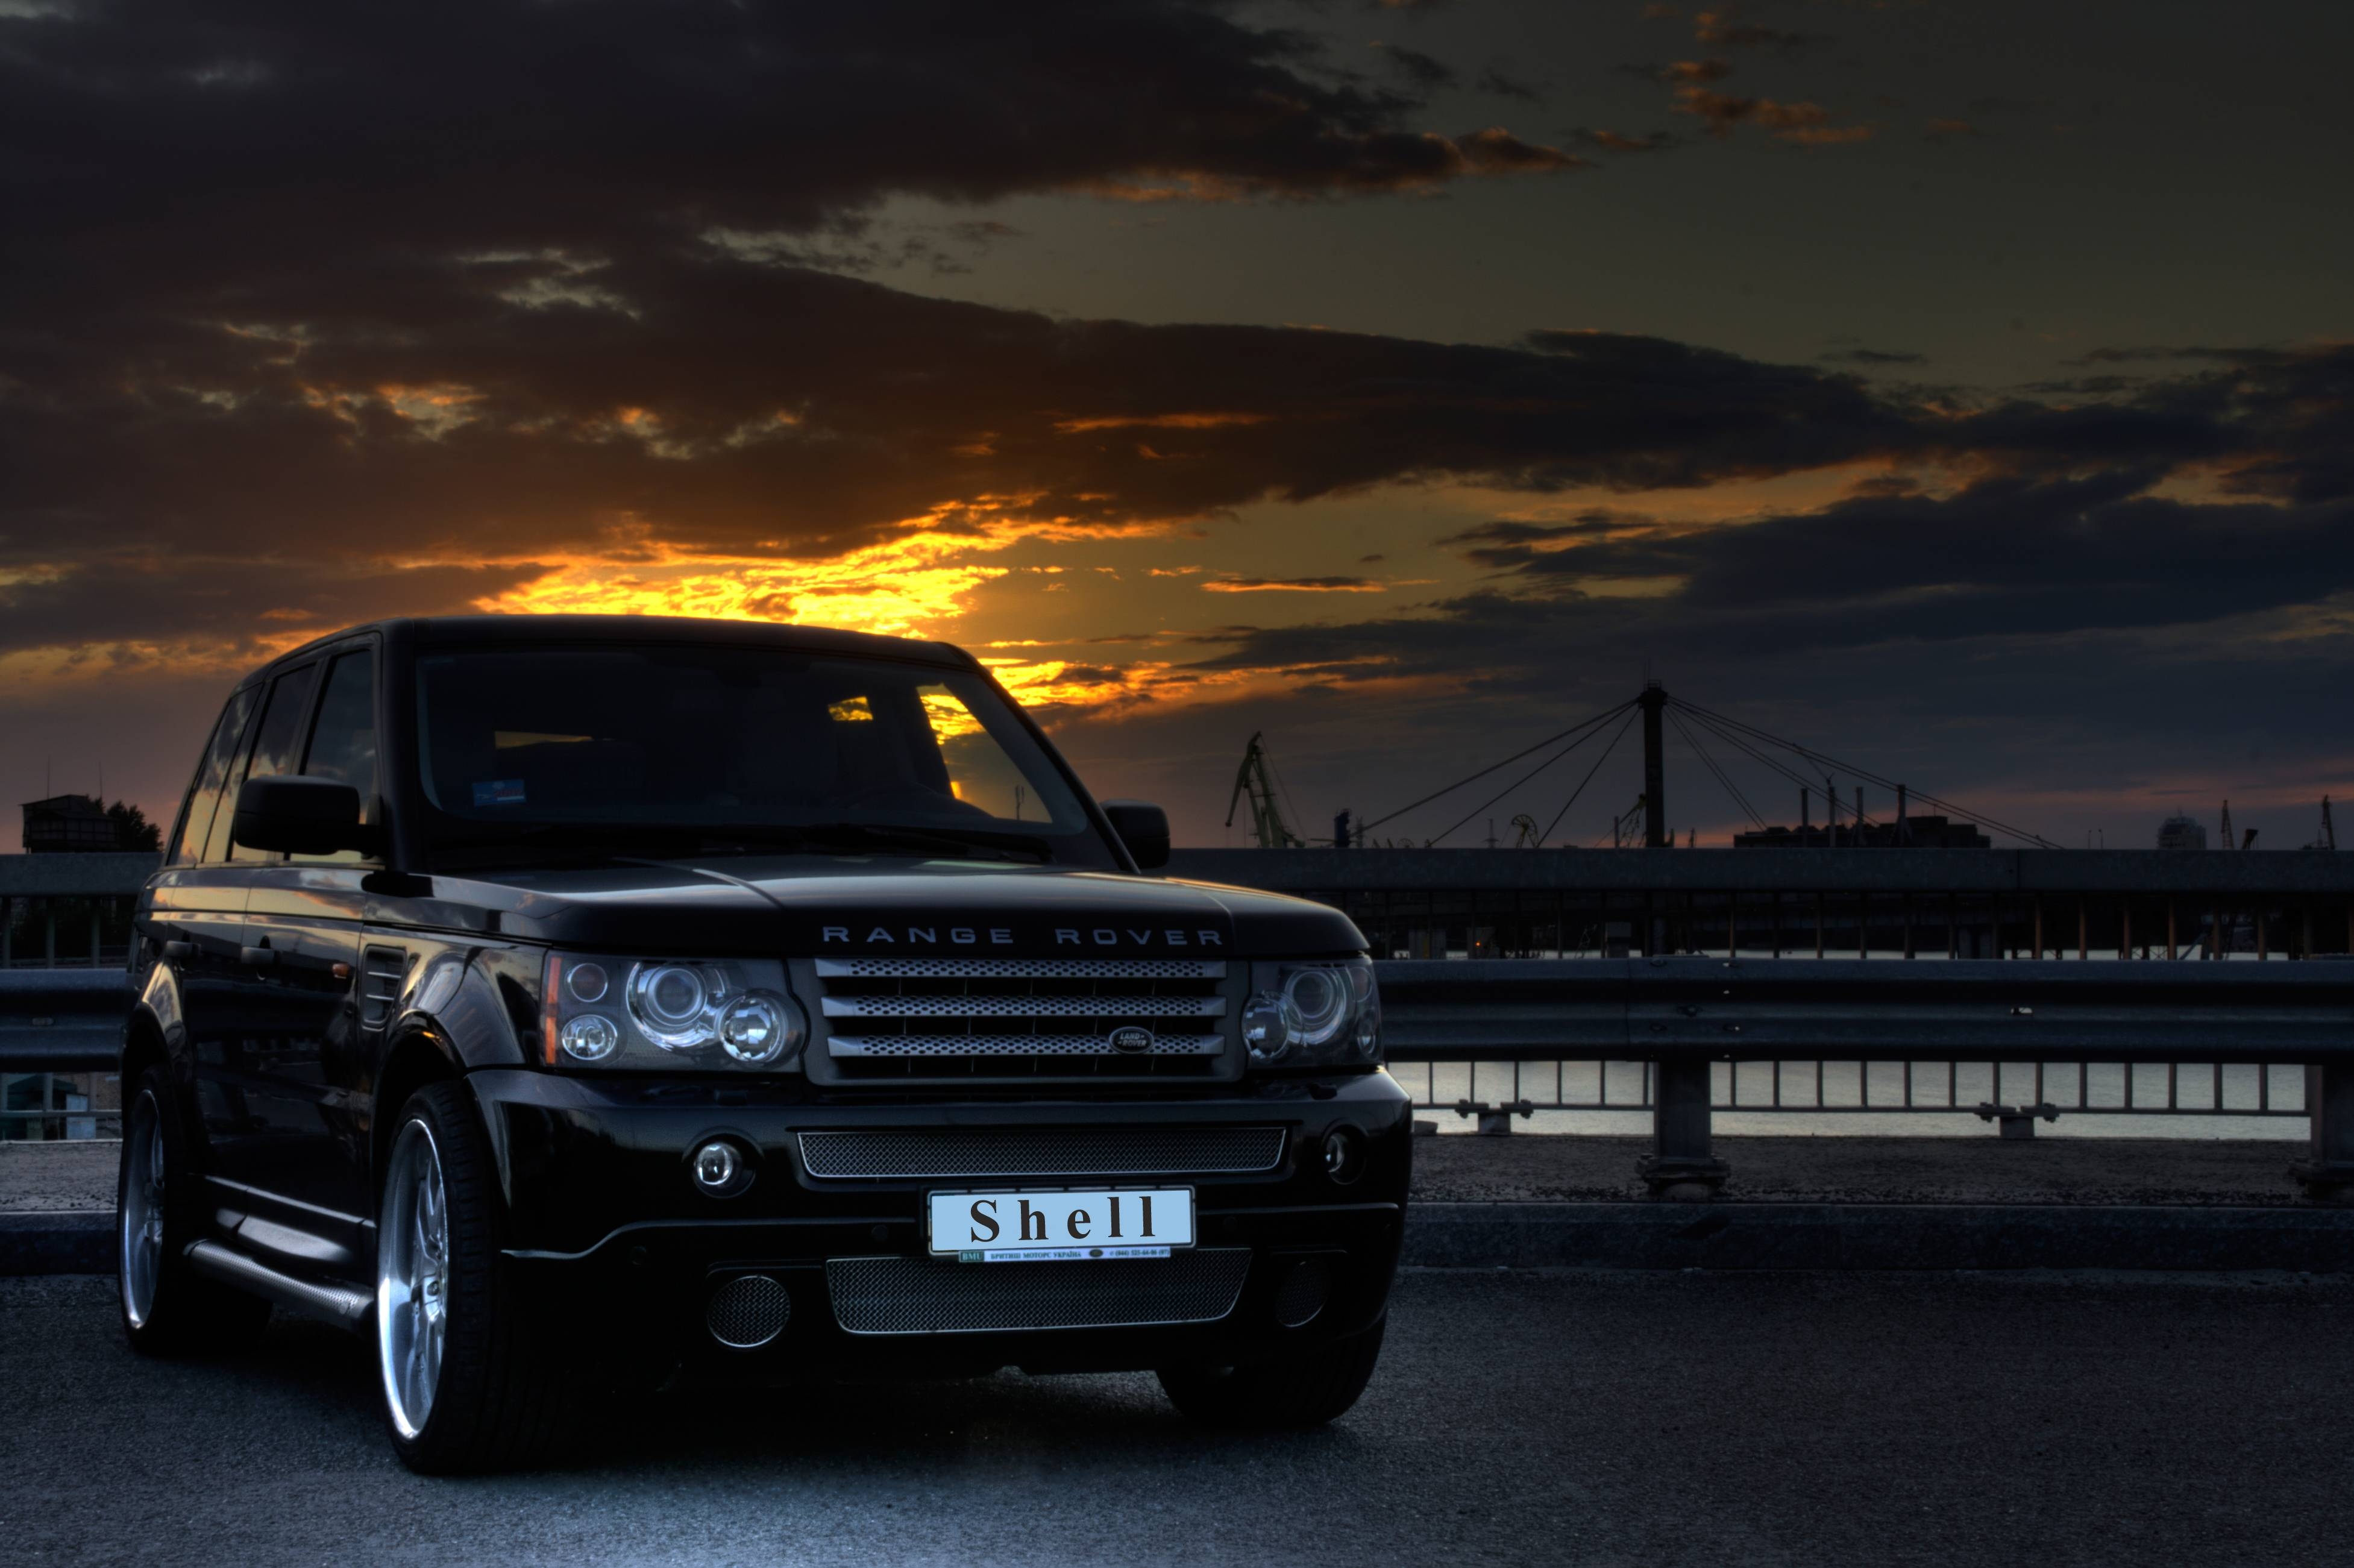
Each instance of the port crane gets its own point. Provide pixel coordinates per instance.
(1253, 782)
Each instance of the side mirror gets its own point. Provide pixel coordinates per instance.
(300, 814)
(1143, 826)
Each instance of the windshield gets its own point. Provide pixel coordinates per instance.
(782, 749)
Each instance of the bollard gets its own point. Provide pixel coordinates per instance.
(1495, 1121)
(1681, 1164)
(2327, 1173)
(2017, 1121)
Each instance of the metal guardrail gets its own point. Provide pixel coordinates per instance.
(62, 1020)
(1989, 1090)
(1687, 1019)
(1735, 1010)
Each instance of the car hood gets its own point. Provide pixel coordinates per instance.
(863, 906)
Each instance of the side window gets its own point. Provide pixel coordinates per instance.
(276, 737)
(212, 773)
(343, 739)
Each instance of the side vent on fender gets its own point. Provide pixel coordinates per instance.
(381, 973)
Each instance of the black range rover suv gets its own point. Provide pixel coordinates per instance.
(573, 1003)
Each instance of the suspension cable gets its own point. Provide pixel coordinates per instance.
(1784, 768)
(1523, 778)
(1582, 783)
(1597, 719)
(1948, 807)
(1710, 763)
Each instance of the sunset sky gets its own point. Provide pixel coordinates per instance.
(1965, 386)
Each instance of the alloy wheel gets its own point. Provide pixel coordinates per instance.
(141, 1220)
(412, 1279)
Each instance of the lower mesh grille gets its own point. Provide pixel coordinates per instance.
(1007, 1151)
(927, 1296)
(747, 1312)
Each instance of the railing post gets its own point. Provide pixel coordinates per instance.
(1682, 1164)
(2327, 1173)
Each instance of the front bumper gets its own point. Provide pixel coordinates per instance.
(605, 1217)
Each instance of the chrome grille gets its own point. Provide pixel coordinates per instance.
(927, 1296)
(956, 1018)
(1014, 1046)
(1048, 1151)
(964, 1005)
(1022, 968)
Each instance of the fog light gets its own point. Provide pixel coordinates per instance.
(748, 1311)
(717, 1167)
(1344, 1154)
(1303, 1294)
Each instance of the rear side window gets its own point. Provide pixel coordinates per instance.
(343, 741)
(278, 734)
(212, 774)
(343, 737)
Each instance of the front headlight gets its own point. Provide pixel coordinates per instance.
(599, 1012)
(1313, 1014)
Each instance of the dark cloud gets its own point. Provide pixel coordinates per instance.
(295, 298)
(1425, 72)
(1091, 675)
(1493, 81)
(1291, 585)
(1809, 124)
(1511, 544)
(171, 162)
(1997, 105)
(1496, 151)
(1722, 28)
(1617, 142)
(1873, 356)
(2001, 556)
(721, 403)
(225, 603)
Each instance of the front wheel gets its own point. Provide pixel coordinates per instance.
(468, 1382)
(1305, 1389)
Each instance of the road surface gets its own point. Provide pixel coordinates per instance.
(1659, 1419)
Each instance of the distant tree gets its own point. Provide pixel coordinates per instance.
(132, 830)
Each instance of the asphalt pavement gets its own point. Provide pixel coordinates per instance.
(1520, 1418)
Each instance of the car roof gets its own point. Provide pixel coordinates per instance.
(477, 631)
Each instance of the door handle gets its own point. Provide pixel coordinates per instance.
(179, 952)
(256, 957)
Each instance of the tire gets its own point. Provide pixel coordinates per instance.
(167, 1308)
(467, 1381)
(1306, 1390)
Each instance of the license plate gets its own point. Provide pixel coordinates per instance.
(1000, 1227)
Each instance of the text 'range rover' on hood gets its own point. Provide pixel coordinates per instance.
(812, 905)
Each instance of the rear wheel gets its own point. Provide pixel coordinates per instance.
(1305, 1389)
(468, 1382)
(168, 1307)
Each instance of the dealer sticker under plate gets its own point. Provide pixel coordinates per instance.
(1004, 1227)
